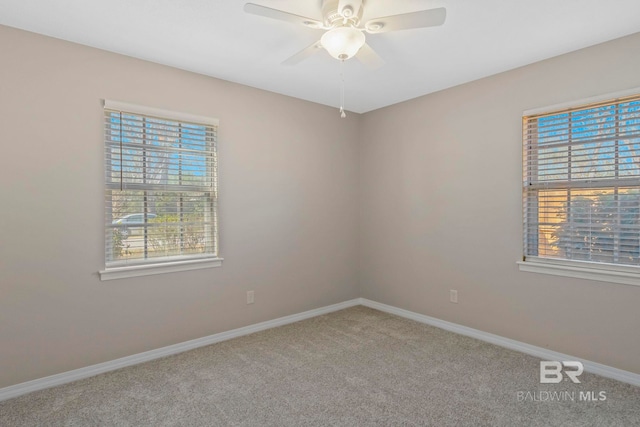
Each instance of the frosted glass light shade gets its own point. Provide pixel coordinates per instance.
(343, 42)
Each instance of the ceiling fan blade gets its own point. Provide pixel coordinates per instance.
(303, 54)
(406, 21)
(256, 9)
(369, 57)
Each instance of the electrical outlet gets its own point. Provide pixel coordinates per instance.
(453, 296)
(250, 297)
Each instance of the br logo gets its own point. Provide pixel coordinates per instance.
(551, 371)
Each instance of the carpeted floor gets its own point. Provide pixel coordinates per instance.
(355, 367)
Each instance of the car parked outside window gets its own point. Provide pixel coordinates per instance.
(132, 221)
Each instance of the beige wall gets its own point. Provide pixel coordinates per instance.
(436, 182)
(440, 188)
(287, 209)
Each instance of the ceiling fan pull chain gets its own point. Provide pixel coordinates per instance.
(342, 113)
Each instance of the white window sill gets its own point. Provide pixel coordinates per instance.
(113, 273)
(626, 275)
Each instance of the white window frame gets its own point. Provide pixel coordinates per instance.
(598, 271)
(165, 264)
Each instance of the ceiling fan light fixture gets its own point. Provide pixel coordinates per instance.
(343, 42)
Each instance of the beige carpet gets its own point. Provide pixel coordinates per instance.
(356, 367)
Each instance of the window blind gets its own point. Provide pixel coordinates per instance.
(581, 192)
(160, 186)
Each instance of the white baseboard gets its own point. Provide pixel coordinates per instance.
(543, 353)
(100, 368)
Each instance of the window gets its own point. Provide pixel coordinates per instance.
(581, 191)
(160, 191)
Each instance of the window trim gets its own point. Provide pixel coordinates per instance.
(613, 96)
(601, 272)
(113, 273)
(137, 268)
(158, 112)
(598, 271)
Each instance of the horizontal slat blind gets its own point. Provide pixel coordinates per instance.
(581, 191)
(160, 187)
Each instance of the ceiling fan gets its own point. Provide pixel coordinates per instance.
(344, 31)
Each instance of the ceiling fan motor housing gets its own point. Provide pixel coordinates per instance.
(336, 12)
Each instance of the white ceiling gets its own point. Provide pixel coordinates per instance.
(216, 38)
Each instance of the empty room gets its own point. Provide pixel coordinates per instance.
(319, 212)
